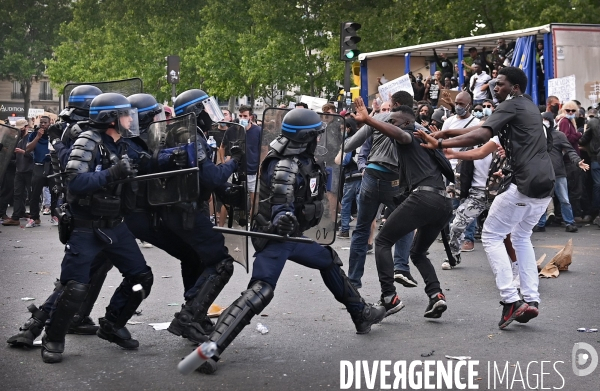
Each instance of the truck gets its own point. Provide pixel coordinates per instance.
(569, 60)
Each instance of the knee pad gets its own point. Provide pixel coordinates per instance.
(145, 280)
(225, 268)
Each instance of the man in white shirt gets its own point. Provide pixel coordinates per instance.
(479, 83)
(463, 117)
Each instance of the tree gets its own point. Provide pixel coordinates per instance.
(28, 33)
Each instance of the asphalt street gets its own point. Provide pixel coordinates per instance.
(310, 334)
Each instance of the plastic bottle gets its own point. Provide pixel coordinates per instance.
(197, 358)
(212, 142)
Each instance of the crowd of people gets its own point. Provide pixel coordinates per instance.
(482, 165)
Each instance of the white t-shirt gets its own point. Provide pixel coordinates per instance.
(482, 168)
(476, 82)
(458, 123)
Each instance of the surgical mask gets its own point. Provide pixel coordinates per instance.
(570, 116)
(244, 122)
(478, 114)
(461, 111)
(419, 79)
(444, 64)
(487, 111)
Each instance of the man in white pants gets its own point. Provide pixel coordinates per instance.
(528, 186)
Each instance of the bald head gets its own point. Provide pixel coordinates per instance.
(463, 98)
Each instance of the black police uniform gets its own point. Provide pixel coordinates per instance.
(294, 185)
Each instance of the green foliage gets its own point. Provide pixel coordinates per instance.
(237, 47)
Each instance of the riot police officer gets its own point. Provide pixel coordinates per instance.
(292, 187)
(192, 224)
(99, 157)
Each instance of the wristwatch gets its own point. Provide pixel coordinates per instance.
(440, 143)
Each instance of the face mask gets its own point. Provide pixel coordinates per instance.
(244, 122)
(570, 116)
(461, 111)
(487, 111)
(444, 64)
(419, 79)
(478, 114)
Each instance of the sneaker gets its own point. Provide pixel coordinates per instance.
(46, 211)
(530, 313)
(597, 221)
(369, 316)
(404, 278)
(10, 222)
(4, 218)
(33, 223)
(146, 245)
(54, 220)
(449, 264)
(537, 228)
(571, 228)
(586, 219)
(391, 305)
(437, 305)
(467, 246)
(369, 249)
(343, 235)
(511, 311)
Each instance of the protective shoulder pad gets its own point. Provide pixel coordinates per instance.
(283, 181)
(87, 141)
(75, 167)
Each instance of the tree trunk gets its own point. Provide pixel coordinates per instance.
(26, 91)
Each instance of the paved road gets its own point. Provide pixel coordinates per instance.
(309, 332)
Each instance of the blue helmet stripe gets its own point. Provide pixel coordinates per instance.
(110, 107)
(148, 108)
(81, 98)
(299, 127)
(288, 129)
(179, 109)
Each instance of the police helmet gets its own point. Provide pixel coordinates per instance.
(112, 110)
(148, 109)
(78, 107)
(302, 125)
(190, 101)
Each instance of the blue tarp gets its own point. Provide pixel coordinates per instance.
(524, 58)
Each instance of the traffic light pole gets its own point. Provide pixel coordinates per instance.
(347, 93)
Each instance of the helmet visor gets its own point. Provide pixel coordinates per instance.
(159, 115)
(213, 109)
(127, 123)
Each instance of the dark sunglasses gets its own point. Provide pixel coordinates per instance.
(489, 106)
(478, 110)
(570, 111)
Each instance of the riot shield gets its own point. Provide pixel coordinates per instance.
(165, 138)
(9, 137)
(233, 213)
(124, 87)
(328, 146)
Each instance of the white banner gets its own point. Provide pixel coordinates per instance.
(563, 88)
(400, 84)
(314, 103)
(34, 113)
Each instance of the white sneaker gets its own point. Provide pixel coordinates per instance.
(54, 220)
(446, 265)
(46, 211)
(146, 245)
(31, 223)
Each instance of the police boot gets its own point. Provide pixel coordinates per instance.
(82, 324)
(192, 321)
(31, 329)
(233, 320)
(369, 316)
(69, 301)
(112, 326)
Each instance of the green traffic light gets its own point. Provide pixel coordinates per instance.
(350, 54)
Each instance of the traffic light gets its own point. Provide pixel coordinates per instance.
(172, 69)
(348, 41)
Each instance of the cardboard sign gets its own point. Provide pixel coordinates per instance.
(447, 98)
(34, 113)
(563, 88)
(592, 91)
(400, 84)
(314, 103)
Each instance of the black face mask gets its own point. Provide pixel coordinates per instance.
(580, 122)
(554, 109)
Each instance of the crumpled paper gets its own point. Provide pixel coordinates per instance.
(215, 311)
(560, 262)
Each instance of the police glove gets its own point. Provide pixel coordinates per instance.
(286, 224)
(54, 132)
(121, 170)
(236, 153)
(180, 157)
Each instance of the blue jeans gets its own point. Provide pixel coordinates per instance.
(373, 192)
(470, 231)
(596, 188)
(351, 190)
(561, 190)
